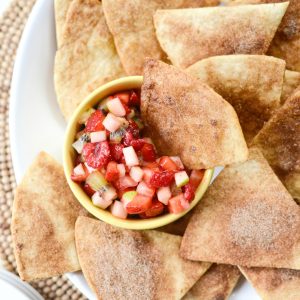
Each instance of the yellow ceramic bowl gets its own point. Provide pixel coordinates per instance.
(126, 83)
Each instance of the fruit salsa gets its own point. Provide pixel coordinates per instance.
(120, 169)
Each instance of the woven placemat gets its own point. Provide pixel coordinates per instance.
(11, 26)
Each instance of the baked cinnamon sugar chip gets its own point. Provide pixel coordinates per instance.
(274, 284)
(217, 283)
(131, 23)
(188, 35)
(61, 8)
(87, 57)
(279, 142)
(290, 84)
(185, 117)
(43, 219)
(286, 43)
(120, 263)
(252, 84)
(246, 218)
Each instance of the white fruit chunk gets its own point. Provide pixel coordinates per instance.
(181, 178)
(111, 122)
(118, 210)
(136, 173)
(116, 107)
(164, 195)
(98, 136)
(99, 201)
(130, 156)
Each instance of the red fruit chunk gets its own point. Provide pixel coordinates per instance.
(196, 177)
(168, 164)
(124, 183)
(134, 99)
(112, 172)
(94, 122)
(96, 155)
(128, 138)
(127, 109)
(148, 152)
(188, 192)
(178, 204)
(156, 209)
(89, 191)
(139, 204)
(116, 151)
(124, 97)
(160, 179)
(134, 129)
(137, 144)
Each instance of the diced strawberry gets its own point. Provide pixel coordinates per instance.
(116, 107)
(128, 138)
(127, 109)
(189, 192)
(167, 163)
(89, 191)
(139, 204)
(94, 122)
(112, 172)
(121, 169)
(79, 173)
(178, 204)
(133, 128)
(145, 190)
(196, 177)
(134, 99)
(137, 144)
(152, 165)
(148, 152)
(156, 209)
(160, 179)
(96, 155)
(123, 96)
(116, 151)
(124, 183)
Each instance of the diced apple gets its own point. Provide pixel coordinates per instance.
(178, 162)
(98, 136)
(168, 164)
(118, 210)
(99, 201)
(116, 107)
(121, 169)
(90, 169)
(144, 189)
(111, 122)
(147, 174)
(127, 197)
(130, 156)
(181, 178)
(136, 173)
(109, 193)
(164, 194)
(79, 170)
(125, 182)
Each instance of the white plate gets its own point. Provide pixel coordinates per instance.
(35, 120)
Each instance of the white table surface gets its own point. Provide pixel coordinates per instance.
(3, 5)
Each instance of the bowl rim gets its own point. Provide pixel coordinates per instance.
(125, 83)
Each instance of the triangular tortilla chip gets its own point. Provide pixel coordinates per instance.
(279, 142)
(246, 218)
(290, 84)
(274, 284)
(217, 283)
(185, 117)
(43, 218)
(88, 57)
(131, 24)
(252, 84)
(188, 35)
(286, 43)
(61, 7)
(124, 264)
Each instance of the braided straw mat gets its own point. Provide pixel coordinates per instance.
(11, 26)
